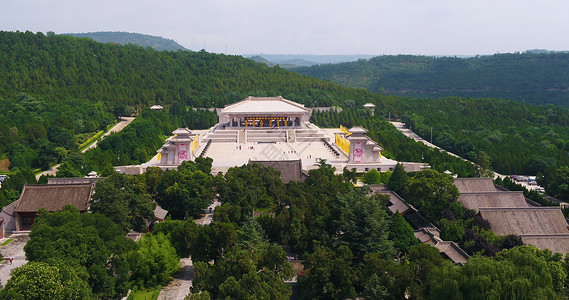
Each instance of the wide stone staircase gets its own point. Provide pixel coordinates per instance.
(223, 136)
(266, 136)
(309, 135)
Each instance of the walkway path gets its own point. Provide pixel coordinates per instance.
(15, 250)
(179, 287)
(407, 132)
(118, 127)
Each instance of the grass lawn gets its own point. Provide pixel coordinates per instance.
(7, 242)
(82, 137)
(139, 295)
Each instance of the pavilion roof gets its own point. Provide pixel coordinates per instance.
(159, 212)
(358, 129)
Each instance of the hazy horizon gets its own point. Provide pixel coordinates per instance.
(333, 27)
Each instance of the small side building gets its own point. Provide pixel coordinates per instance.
(52, 197)
(8, 218)
(362, 148)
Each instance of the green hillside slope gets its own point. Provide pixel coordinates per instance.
(60, 67)
(144, 40)
(538, 78)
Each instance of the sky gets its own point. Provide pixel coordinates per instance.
(377, 27)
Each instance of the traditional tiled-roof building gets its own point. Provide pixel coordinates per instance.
(475, 185)
(492, 199)
(511, 213)
(52, 197)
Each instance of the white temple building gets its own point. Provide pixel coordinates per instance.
(271, 129)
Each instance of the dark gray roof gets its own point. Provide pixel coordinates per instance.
(397, 204)
(558, 243)
(160, 213)
(54, 197)
(291, 170)
(475, 185)
(73, 180)
(449, 249)
(492, 199)
(529, 220)
(9, 209)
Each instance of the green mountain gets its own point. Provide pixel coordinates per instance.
(60, 66)
(262, 60)
(124, 38)
(536, 77)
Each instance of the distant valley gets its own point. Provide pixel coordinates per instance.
(288, 61)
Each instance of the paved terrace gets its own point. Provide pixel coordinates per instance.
(227, 155)
(231, 154)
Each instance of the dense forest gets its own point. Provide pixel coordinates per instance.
(61, 67)
(537, 78)
(396, 145)
(124, 38)
(347, 243)
(518, 137)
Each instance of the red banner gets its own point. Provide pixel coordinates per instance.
(183, 154)
(358, 154)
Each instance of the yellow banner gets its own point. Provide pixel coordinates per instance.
(343, 143)
(344, 130)
(195, 144)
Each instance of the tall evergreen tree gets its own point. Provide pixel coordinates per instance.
(398, 179)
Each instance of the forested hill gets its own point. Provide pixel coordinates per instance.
(155, 42)
(537, 78)
(59, 67)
